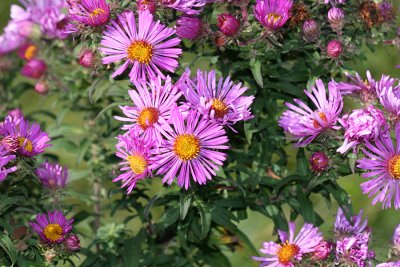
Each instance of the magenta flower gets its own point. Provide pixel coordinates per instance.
(291, 249)
(5, 159)
(382, 166)
(89, 12)
(319, 161)
(336, 18)
(388, 90)
(311, 30)
(52, 227)
(142, 45)
(221, 100)
(305, 124)
(273, 14)
(322, 250)
(34, 68)
(149, 5)
(334, 49)
(344, 227)
(52, 175)
(135, 151)
(189, 27)
(190, 150)
(362, 125)
(354, 249)
(189, 7)
(389, 264)
(86, 58)
(365, 88)
(396, 238)
(32, 141)
(72, 243)
(152, 109)
(228, 24)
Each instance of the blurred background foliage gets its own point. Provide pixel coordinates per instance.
(382, 60)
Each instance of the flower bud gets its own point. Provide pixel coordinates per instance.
(72, 243)
(311, 30)
(334, 48)
(220, 39)
(41, 88)
(27, 51)
(34, 68)
(149, 5)
(336, 18)
(86, 58)
(228, 24)
(396, 238)
(322, 250)
(189, 27)
(319, 161)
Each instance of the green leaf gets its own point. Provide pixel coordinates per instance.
(132, 249)
(302, 163)
(9, 248)
(169, 217)
(256, 70)
(205, 217)
(185, 203)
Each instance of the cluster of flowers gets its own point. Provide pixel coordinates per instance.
(368, 127)
(21, 139)
(349, 247)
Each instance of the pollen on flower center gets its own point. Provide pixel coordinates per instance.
(147, 117)
(28, 144)
(137, 163)
(275, 17)
(322, 116)
(96, 12)
(394, 167)
(287, 252)
(140, 51)
(31, 52)
(53, 232)
(186, 146)
(219, 107)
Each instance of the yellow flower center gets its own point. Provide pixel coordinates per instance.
(53, 232)
(28, 144)
(137, 163)
(219, 107)
(147, 117)
(287, 252)
(394, 167)
(96, 12)
(186, 146)
(322, 116)
(275, 17)
(140, 51)
(30, 52)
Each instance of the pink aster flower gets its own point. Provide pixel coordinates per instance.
(220, 100)
(135, 151)
(5, 159)
(153, 104)
(31, 139)
(388, 90)
(344, 227)
(382, 166)
(52, 175)
(292, 248)
(89, 12)
(190, 150)
(52, 227)
(189, 7)
(143, 45)
(273, 14)
(362, 125)
(303, 123)
(189, 27)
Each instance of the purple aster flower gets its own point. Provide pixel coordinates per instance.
(72, 243)
(52, 175)
(365, 88)
(34, 68)
(334, 2)
(305, 124)
(354, 249)
(362, 125)
(89, 12)
(52, 227)
(135, 151)
(389, 264)
(311, 30)
(222, 101)
(5, 159)
(292, 248)
(396, 238)
(273, 14)
(189, 27)
(149, 5)
(152, 108)
(356, 224)
(189, 7)
(32, 141)
(189, 151)
(387, 11)
(142, 45)
(336, 18)
(388, 90)
(382, 166)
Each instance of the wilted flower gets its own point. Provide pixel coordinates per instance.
(344, 227)
(322, 250)
(86, 58)
(28, 51)
(291, 249)
(273, 14)
(52, 175)
(311, 30)
(190, 150)
(189, 7)
(354, 249)
(34, 68)
(370, 13)
(334, 48)
(142, 45)
(305, 124)
(52, 227)
(5, 159)
(319, 161)
(228, 24)
(149, 5)
(336, 18)
(189, 27)
(41, 87)
(362, 125)
(72, 243)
